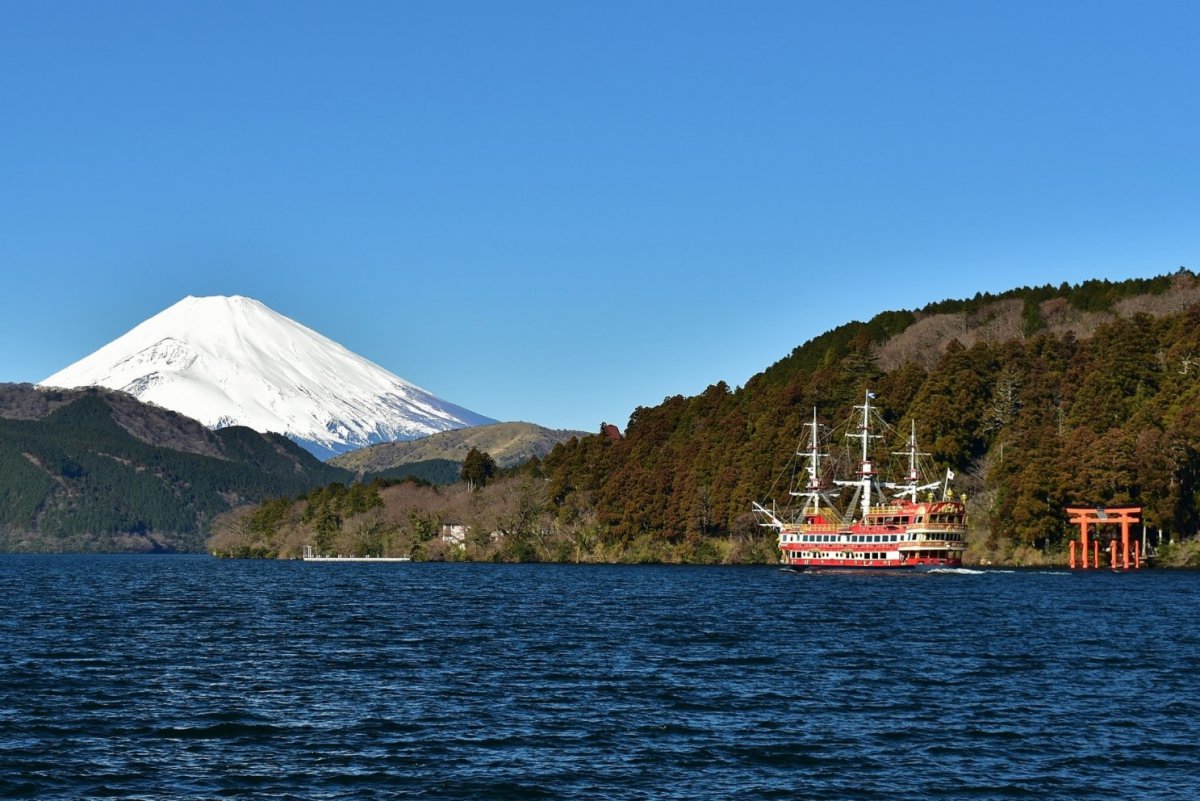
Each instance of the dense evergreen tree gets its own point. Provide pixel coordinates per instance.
(478, 468)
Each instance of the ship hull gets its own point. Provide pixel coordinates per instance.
(858, 566)
(898, 536)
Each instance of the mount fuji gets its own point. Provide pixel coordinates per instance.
(232, 361)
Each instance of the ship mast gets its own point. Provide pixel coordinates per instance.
(911, 485)
(814, 491)
(866, 472)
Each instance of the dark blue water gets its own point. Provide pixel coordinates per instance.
(187, 677)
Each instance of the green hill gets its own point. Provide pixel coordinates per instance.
(94, 470)
(1036, 399)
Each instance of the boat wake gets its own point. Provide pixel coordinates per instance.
(966, 571)
(1027, 572)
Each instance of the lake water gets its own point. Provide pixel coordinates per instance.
(189, 677)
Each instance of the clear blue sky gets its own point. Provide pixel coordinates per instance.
(559, 211)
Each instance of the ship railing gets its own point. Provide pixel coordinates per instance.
(808, 528)
(880, 511)
(937, 527)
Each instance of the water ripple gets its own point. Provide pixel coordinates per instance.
(186, 677)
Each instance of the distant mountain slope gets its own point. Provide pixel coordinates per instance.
(508, 443)
(96, 470)
(1023, 313)
(233, 361)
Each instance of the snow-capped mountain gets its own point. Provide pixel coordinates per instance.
(233, 361)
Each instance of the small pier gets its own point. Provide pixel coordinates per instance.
(311, 556)
(1124, 517)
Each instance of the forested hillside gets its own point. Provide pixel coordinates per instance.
(1091, 398)
(1029, 424)
(93, 470)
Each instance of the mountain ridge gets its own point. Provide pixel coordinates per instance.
(508, 443)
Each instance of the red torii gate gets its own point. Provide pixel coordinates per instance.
(1096, 517)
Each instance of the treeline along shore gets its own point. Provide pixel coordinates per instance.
(1036, 400)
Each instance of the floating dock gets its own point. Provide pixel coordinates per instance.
(309, 556)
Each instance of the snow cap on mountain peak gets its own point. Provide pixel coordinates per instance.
(231, 360)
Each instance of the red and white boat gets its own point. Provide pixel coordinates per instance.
(907, 530)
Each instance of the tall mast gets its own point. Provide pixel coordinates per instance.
(866, 473)
(813, 491)
(912, 484)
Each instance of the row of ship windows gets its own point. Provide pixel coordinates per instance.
(940, 519)
(948, 535)
(844, 555)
